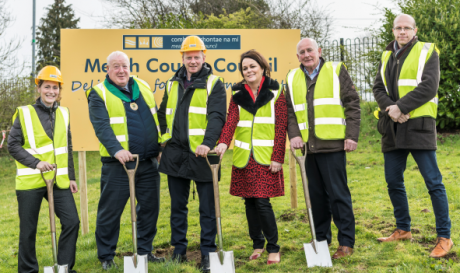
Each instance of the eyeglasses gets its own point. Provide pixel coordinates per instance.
(403, 28)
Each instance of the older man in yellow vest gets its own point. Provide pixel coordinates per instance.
(324, 113)
(123, 112)
(191, 115)
(406, 88)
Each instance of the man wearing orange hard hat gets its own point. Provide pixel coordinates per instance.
(191, 118)
(40, 141)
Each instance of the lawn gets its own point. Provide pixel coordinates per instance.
(371, 204)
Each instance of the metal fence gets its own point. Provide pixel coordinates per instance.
(361, 56)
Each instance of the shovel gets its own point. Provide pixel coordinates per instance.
(317, 253)
(220, 261)
(49, 187)
(135, 263)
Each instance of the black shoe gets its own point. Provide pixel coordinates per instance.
(154, 259)
(72, 271)
(205, 265)
(179, 258)
(106, 265)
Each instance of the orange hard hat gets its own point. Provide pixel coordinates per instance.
(192, 43)
(49, 73)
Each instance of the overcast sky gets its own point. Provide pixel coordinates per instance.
(351, 17)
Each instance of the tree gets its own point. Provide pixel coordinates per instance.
(438, 21)
(49, 33)
(7, 48)
(313, 20)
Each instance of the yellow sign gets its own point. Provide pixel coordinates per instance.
(154, 57)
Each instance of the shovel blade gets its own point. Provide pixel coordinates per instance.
(62, 269)
(321, 257)
(141, 267)
(228, 265)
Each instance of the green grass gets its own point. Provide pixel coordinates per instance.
(371, 204)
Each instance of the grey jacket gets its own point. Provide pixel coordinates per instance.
(418, 133)
(16, 138)
(350, 101)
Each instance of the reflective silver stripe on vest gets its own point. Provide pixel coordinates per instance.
(104, 95)
(60, 151)
(263, 142)
(41, 150)
(29, 127)
(421, 66)
(30, 171)
(303, 126)
(197, 110)
(244, 123)
(290, 79)
(242, 145)
(209, 83)
(330, 121)
(335, 81)
(121, 138)
(196, 132)
(169, 86)
(299, 107)
(382, 74)
(153, 110)
(435, 100)
(117, 120)
(327, 101)
(169, 111)
(271, 119)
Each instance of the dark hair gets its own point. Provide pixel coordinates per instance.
(256, 56)
(40, 83)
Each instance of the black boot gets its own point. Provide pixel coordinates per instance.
(205, 265)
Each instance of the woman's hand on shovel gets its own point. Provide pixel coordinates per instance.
(44, 166)
(73, 186)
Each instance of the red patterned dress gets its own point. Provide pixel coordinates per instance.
(255, 180)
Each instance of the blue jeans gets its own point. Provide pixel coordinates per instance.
(395, 165)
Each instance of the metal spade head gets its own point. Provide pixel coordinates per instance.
(319, 256)
(226, 265)
(56, 269)
(136, 264)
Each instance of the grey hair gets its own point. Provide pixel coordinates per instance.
(116, 54)
(315, 44)
(403, 14)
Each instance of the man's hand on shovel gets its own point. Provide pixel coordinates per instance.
(221, 149)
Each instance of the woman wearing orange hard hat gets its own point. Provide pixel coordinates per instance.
(40, 137)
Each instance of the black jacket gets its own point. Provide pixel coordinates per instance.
(177, 159)
(142, 130)
(419, 133)
(16, 138)
(350, 101)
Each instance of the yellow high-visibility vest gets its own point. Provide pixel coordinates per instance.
(117, 113)
(329, 120)
(40, 146)
(410, 76)
(197, 111)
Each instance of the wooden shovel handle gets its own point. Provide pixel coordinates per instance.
(49, 188)
(132, 187)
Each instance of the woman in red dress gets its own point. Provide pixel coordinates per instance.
(260, 144)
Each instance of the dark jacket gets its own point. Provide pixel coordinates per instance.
(419, 133)
(16, 138)
(142, 130)
(177, 159)
(350, 101)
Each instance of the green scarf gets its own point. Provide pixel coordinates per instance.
(114, 90)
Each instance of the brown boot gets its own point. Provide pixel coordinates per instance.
(443, 246)
(342, 251)
(397, 235)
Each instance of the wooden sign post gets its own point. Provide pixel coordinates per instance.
(293, 179)
(83, 193)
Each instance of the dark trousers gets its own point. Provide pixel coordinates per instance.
(179, 190)
(114, 197)
(330, 196)
(262, 224)
(395, 165)
(29, 202)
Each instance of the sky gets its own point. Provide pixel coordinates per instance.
(350, 17)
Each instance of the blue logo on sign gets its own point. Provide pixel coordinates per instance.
(174, 42)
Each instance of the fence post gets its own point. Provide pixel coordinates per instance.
(293, 180)
(341, 50)
(83, 192)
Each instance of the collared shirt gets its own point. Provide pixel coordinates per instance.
(314, 73)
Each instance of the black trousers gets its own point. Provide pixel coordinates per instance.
(114, 197)
(262, 224)
(179, 190)
(330, 196)
(29, 202)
